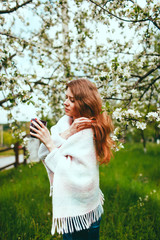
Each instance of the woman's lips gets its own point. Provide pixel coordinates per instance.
(66, 109)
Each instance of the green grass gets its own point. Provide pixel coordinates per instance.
(9, 153)
(25, 206)
(132, 208)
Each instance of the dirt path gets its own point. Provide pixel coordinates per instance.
(4, 161)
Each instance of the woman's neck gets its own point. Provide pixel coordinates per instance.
(71, 120)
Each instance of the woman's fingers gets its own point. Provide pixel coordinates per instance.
(86, 120)
(38, 124)
(84, 124)
(38, 129)
(78, 120)
(82, 120)
(82, 128)
(33, 134)
(80, 124)
(34, 129)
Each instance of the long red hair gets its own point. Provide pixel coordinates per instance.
(89, 104)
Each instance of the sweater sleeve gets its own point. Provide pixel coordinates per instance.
(57, 140)
(74, 151)
(43, 151)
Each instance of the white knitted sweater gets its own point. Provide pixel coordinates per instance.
(77, 200)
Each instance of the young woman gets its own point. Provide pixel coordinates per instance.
(71, 154)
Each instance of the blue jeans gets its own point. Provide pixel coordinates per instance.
(88, 234)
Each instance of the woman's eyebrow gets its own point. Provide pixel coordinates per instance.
(69, 96)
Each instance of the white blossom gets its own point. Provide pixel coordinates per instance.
(118, 89)
(133, 113)
(119, 70)
(3, 55)
(114, 138)
(152, 115)
(141, 125)
(116, 130)
(103, 74)
(25, 141)
(121, 146)
(23, 134)
(127, 72)
(133, 91)
(158, 119)
(117, 114)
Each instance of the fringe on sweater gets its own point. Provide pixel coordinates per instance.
(77, 223)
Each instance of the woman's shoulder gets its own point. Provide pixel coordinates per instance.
(63, 119)
(83, 135)
(62, 122)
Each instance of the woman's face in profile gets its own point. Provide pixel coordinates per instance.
(69, 104)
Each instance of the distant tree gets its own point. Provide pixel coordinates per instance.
(8, 139)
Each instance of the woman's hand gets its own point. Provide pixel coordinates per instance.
(42, 133)
(78, 125)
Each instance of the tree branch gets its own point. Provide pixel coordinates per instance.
(126, 20)
(8, 98)
(39, 82)
(23, 40)
(121, 99)
(15, 8)
(11, 36)
(145, 75)
(151, 94)
(149, 87)
(132, 53)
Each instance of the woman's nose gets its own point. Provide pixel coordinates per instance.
(66, 102)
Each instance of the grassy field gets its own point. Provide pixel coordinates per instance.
(130, 183)
(9, 153)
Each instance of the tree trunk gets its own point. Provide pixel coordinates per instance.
(16, 150)
(25, 155)
(144, 141)
(65, 36)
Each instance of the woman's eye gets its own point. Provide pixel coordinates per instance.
(72, 100)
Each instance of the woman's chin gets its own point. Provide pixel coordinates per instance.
(67, 113)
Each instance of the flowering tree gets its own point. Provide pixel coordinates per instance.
(45, 43)
(132, 85)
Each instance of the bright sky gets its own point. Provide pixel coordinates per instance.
(141, 3)
(25, 114)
